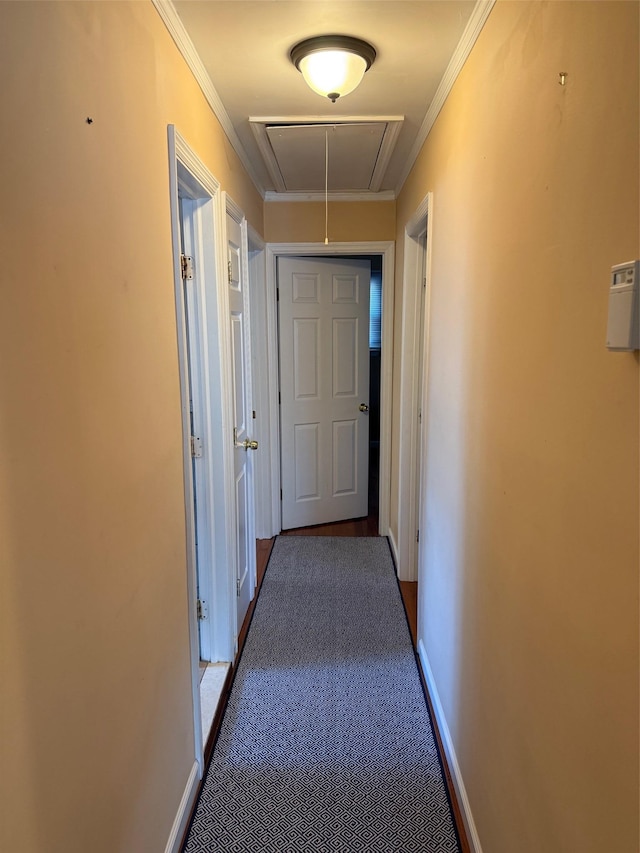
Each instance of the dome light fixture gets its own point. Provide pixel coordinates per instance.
(333, 65)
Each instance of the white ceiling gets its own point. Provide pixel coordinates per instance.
(244, 46)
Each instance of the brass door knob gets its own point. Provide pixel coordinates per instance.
(363, 407)
(247, 444)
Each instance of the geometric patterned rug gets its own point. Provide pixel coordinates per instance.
(326, 745)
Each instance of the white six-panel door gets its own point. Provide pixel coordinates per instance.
(324, 389)
(242, 419)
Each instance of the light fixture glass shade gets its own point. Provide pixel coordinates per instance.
(333, 65)
(333, 73)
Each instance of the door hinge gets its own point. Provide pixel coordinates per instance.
(254, 414)
(186, 267)
(418, 536)
(196, 447)
(202, 609)
(280, 494)
(424, 281)
(230, 271)
(419, 416)
(279, 399)
(277, 294)
(238, 587)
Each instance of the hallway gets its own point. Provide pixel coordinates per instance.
(510, 486)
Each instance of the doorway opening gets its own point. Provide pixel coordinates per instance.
(381, 254)
(197, 229)
(414, 376)
(323, 325)
(375, 378)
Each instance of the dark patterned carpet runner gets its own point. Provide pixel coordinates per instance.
(326, 745)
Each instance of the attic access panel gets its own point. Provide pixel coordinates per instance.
(300, 154)
(359, 152)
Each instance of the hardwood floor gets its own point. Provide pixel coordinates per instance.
(263, 552)
(353, 527)
(409, 592)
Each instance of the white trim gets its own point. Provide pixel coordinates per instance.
(387, 146)
(450, 753)
(175, 149)
(254, 239)
(387, 250)
(386, 385)
(262, 390)
(233, 210)
(264, 146)
(421, 451)
(275, 506)
(193, 164)
(364, 195)
(469, 37)
(415, 225)
(411, 350)
(179, 34)
(196, 374)
(324, 119)
(184, 810)
(394, 548)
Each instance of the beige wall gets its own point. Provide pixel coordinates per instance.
(96, 717)
(304, 222)
(529, 600)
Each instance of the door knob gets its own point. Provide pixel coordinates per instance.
(247, 444)
(363, 407)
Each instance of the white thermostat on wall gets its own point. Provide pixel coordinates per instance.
(623, 328)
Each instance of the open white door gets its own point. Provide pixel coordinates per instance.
(194, 385)
(324, 389)
(244, 445)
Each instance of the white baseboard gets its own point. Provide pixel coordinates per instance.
(394, 549)
(452, 761)
(184, 810)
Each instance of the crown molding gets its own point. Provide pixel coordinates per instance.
(469, 37)
(365, 195)
(179, 34)
(324, 119)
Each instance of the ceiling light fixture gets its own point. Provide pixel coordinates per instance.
(333, 65)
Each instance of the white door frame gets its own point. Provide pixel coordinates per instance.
(387, 250)
(413, 346)
(261, 383)
(195, 211)
(215, 531)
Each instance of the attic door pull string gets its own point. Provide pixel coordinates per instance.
(326, 187)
